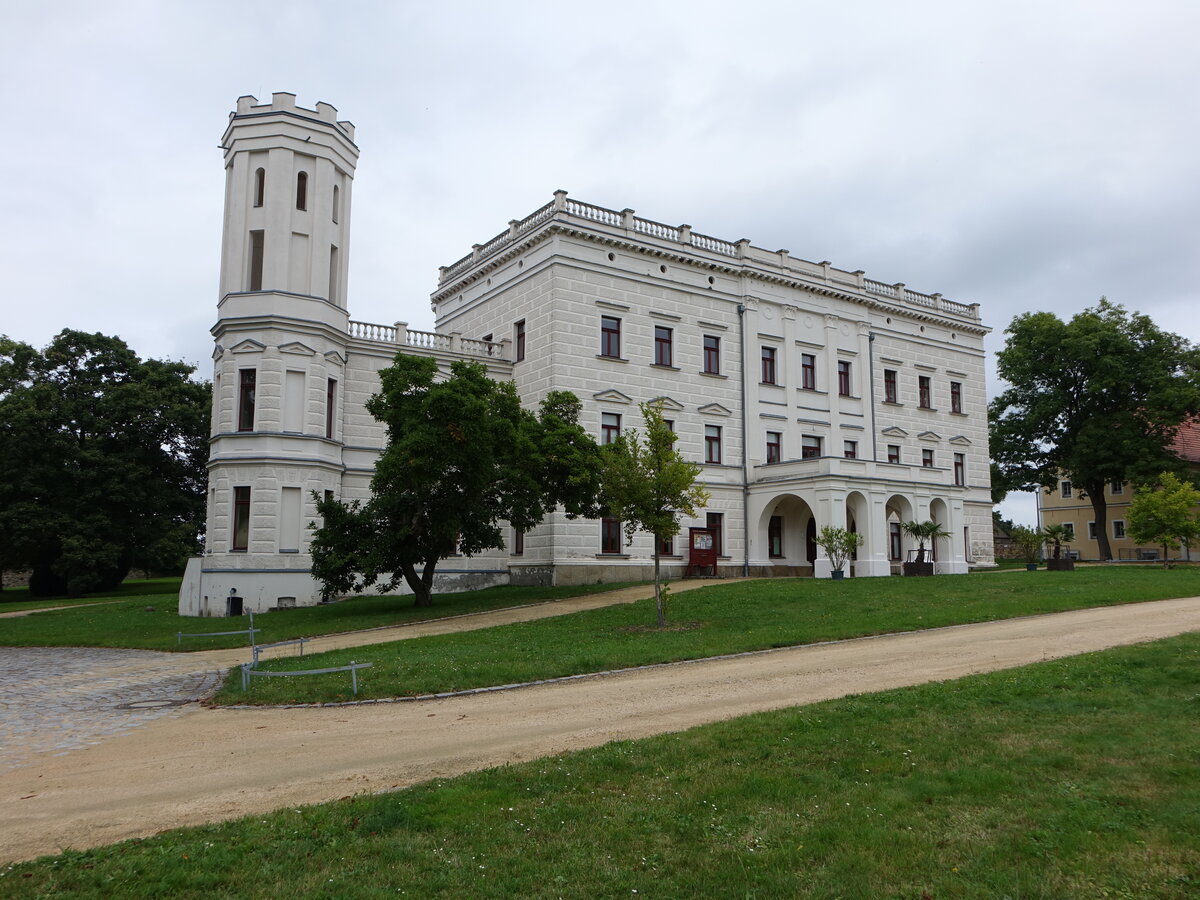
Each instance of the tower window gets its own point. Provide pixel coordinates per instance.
(260, 186)
(240, 540)
(256, 260)
(301, 190)
(330, 405)
(246, 384)
(519, 339)
(336, 201)
(334, 274)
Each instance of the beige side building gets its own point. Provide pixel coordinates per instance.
(1066, 504)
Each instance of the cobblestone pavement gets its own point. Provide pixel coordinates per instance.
(58, 699)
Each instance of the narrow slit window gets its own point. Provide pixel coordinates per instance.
(246, 386)
(260, 186)
(240, 540)
(334, 274)
(337, 199)
(256, 260)
(330, 406)
(301, 190)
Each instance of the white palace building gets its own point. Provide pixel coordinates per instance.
(809, 394)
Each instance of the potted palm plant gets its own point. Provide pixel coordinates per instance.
(1058, 535)
(1029, 541)
(838, 544)
(921, 532)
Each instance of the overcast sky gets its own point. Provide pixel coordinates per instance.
(1023, 155)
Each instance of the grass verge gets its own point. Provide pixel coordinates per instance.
(727, 618)
(150, 621)
(1067, 779)
(19, 599)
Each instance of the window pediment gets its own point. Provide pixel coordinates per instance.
(297, 348)
(894, 431)
(249, 345)
(714, 409)
(611, 396)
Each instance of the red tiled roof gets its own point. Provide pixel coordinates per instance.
(1187, 441)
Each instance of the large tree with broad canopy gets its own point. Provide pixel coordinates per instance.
(1097, 399)
(462, 457)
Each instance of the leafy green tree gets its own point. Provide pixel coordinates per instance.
(648, 486)
(104, 462)
(462, 457)
(1099, 397)
(1028, 540)
(1166, 514)
(839, 545)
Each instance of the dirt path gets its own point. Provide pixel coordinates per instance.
(212, 764)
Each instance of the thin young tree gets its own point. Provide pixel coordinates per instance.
(1165, 514)
(648, 486)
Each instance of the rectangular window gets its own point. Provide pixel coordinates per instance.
(850, 449)
(960, 469)
(610, 535)
(956, 396)
(774, 446)
(246, 381)
(610, 337)
(1091, 531)
(712, 443)
(256, 260)
(518, 547)
(775, 537)
(889, 386)
(1066, 490)
(1118, 529)
(843, 378)
(808, 371)
(893, 453)
(610, 427)
(1070, 527)
(716, 521)
(663, 338)
(1116, 488)
(519, 340)
(927, 458)
(240, 536)
(289, 520)
(330, 406)
(924, 392)
(810, 446)
(768, 365)
(895, 542)
(712, 354)
(666, 547)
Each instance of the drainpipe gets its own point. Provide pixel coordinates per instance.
(741, 310)
(871, 382)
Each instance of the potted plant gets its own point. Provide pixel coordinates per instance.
(1029, 541)
(1058, 535)
(921, 532)
(838, 544)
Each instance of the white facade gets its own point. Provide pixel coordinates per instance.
(744, 347)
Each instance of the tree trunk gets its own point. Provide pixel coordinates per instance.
(658, 600)
(420, 585)
(1100, 514)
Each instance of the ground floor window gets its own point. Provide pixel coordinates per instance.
(666, 547)
(610, 535)
(895, 545)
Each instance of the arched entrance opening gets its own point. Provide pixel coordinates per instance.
(898, 510)
(788, 528)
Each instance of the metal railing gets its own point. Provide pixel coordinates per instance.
(249, 672)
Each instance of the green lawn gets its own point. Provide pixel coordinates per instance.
(1067, 779)
(17, 599)
(149, 620)
(711, 621)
